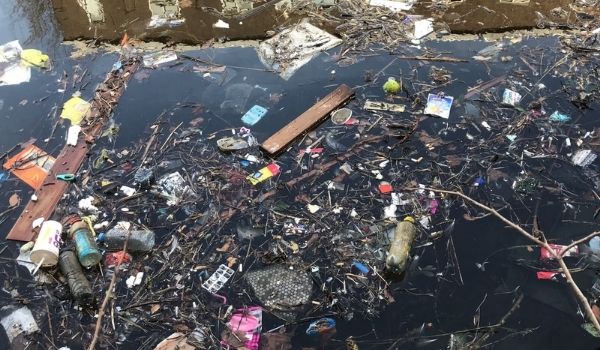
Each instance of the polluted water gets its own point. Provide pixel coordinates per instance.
(405, 186)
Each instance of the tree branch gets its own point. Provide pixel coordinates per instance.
(558, 256)
(109, 293)
(579, 241)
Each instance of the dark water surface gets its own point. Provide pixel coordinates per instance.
(425, 304)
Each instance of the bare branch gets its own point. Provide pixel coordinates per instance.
(579, 241)
(558, 256)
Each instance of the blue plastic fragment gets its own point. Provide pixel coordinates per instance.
(360, 267)
(244, 162)
(322, 325)
(559, 117)
(100, 237)
(66, 177)
(3, 176)
(254, 115)
(117, 66)
(479, 181)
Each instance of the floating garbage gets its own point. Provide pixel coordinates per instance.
(174, 188)
(78, 283)
(383, 106)
(391, 86)
(423, 28)
(511, 98)
(321, 326)
(559, 117)
(139, 241)
(85, 242)
(583, 157)
(254, 115)
(33, 57)
(76, 109)
(232, 144)
(264, 174)
(439, 105)
(398, 255)
(292, 48)
(246, 322)
(341, 116)
(47, 245)
(218, 279)
(280, 288)
(31, 165)
(17, 320)
(12, 72)
(158, 58)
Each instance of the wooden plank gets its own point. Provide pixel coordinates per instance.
(50, 193)
(307, 120)
(71, 157)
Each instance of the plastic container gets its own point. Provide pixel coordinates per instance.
(144, 177)
(404, 236)
(341, 116)
(85, 244)
(47, 246)
(78, 284)
(141, 241)
(200, 338)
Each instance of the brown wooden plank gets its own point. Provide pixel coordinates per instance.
(307, 120)
(71, 157)
(50, 193)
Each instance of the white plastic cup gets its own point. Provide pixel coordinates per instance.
(46, 248)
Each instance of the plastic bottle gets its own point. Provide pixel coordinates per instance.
(85, 242)
(78, 284)
(139, 240)
(200, 337)
(404, 236)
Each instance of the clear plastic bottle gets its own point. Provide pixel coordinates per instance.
(399, 252)
(85, 244)
(78, 284)
(141, 241)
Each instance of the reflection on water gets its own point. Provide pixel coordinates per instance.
(31, 22)
(188, 21)
(192, 20)
(93, 9)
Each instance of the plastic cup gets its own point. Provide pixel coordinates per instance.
(341, 116)
(46, 248)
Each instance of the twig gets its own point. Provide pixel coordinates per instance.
(150, 142)
(169, 137)
(107, 297)
(579, 241)
(558, 256)
(436, 59)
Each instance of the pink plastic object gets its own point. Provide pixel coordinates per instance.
(545, 254)
(546, 275)
(248, 321)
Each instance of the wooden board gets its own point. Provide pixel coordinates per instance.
(307, 120)
(50, 193)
